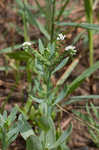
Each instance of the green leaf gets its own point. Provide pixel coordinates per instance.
(64, 146)
(60, 96)
(62, 138)
(39, 7)
(61, 65)
(43, 30)
(82, 25)
(62, 9)
(91, 120)
(41, 46)
(12, 134)
(76, 83)
(7, 68)
(20, 55)
(36, 99)
(35, 22)
(51, 134)
(25, 128)
(95, 110)
(10, 49)
(88, 9)
(12, 115)
(43, 123)
(75, 99)
(67, 73)
(33, 143)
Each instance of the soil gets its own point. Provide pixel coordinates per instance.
(9, 36)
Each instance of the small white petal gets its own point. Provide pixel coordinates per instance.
(27, 44)
(61, 37)
(70, 47)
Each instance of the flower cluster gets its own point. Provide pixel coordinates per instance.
(26, 44)
(71, 49)
(61, 37)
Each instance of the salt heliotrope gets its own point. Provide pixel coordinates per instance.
(71, 49)
(26, 44)
(61, 37)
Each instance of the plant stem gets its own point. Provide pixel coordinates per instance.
(62, 10)
(89, 17)
(52, 20)
(90, 35)
(26, 38)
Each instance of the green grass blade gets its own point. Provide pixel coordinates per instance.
(10, 49)
(80, 25)
(62, 10)
(43, 30)
(76, 83)
(61, 65)
(75, 99)
(89, 16)
(67, 72)
(62, 138)
(39, 7)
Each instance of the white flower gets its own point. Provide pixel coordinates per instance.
(72, 50)
(61, 37)
(70, 47)
(26, 44)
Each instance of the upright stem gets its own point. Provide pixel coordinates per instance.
(89, 17)
(52, 20)
(26, 37)
(90, 35)
(62, 10)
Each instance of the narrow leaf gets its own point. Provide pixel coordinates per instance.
(75, 99)
(10, 49)
(36, 99)
(61, 65)
(82, 25)
(33, 143)
(67, 72)
(82, 77)
(62, 138)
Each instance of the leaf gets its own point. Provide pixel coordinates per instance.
(33, 143)
(95, 110)
(43, 123)
(7, 68)
(82, 25)
(35, 22)
(88, 9)
(62, 138)
(39, 7)
(42, 29)
(12, 115)
(61, 65)
(74, 99)
(60, 96)
(41, 46)
(36, 99)
(82, 77)
(20, 55)
(67, 72)
(64, 146)
(12, 134)
(10, 49)
(51, 134)
(62, 9)
(25, 128)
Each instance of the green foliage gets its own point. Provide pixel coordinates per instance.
(9, 129)
(35, 122)
(92, 122)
